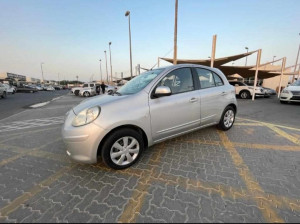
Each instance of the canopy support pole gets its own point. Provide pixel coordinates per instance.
(256, 73)
(213, 51)
(175, 34)
(282, 70)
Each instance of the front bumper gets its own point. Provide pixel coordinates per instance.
(82, 142)
(289, 97)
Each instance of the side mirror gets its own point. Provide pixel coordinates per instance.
(236, 85)
(162, 91)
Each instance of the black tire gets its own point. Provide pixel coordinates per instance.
(112, 139)
(4, 95)
(76, 92)
(283, 102)
(245, 94)
(221, 124)
(86, 94)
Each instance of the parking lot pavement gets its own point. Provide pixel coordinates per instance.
(249, 174)
(16, 103)
(270, 110)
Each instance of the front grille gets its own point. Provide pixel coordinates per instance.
(296, 93)
(295, 98)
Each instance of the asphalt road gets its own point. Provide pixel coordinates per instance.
(270, 110)
(18, 102)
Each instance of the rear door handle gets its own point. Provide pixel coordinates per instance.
(193, 100)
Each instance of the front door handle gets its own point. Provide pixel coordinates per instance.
(223, 93)
(193, 100)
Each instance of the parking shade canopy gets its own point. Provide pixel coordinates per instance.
(244, 71)
(217, 61)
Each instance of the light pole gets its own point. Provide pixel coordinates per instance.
(110, 61)
(247, 55)
(42, 72)
(128, 14)
(77, 79)
(106, 67)
(100, 70)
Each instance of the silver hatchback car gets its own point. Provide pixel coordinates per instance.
(157, 105)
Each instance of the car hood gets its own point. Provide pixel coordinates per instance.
(96, 101)
(293, 88)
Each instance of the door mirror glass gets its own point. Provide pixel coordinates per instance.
(162, 91)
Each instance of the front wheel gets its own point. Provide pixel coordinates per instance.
(86, 94)
(283, 102)
(122, 148)
(227, 119)
(4, 95)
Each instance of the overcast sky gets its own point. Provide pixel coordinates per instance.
(70, 36)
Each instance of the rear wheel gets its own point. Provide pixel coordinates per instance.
(122, 148)
(227, 119)
(245, 94)
(86, 94)
(76, 92)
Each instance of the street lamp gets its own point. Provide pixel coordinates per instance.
(42, 71)
(106, 67)
(273, 59)
(246, 56)
(128, 14)
(110, 61)
(77, 79)
(100, 70)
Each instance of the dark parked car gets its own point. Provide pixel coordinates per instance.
(26, 89)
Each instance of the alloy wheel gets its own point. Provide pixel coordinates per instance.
(124, 151)
(244, 95)
(228, 118)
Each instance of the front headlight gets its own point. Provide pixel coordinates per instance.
(86, 116)
(285, 91)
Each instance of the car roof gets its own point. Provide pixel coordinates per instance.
(189, 65)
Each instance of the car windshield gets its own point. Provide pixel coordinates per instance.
(297, 83)
(140, 82)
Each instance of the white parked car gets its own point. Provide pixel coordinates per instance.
(291, 93)
(87, 92)
(110, 89)
(76, 90)
(3, 91)
(244, 91)
(50, 88)
(10, 89)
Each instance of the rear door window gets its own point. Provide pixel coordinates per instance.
(206, 78)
